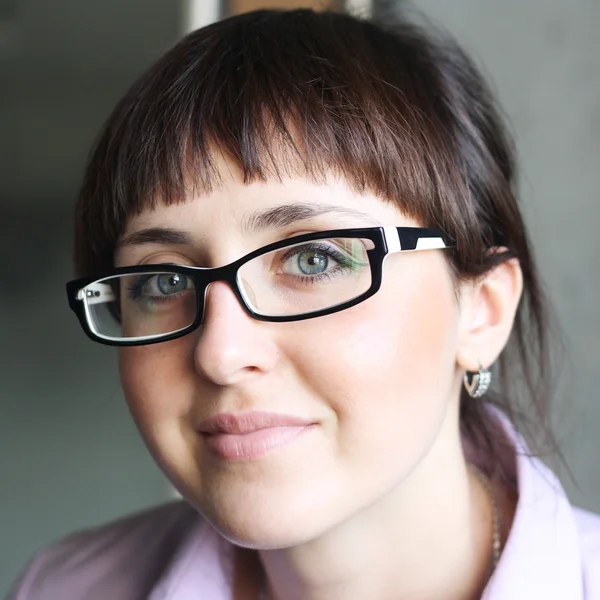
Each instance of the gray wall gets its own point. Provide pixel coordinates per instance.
(69, 455)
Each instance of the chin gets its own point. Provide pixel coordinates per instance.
(264, 525)
(269, 537)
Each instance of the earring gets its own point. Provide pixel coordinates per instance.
(477, 384)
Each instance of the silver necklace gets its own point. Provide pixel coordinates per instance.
(496, 527)
(496, 520)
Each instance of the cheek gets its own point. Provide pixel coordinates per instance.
(157, 381)
(154, 398)
(396, 337)
(387, 368)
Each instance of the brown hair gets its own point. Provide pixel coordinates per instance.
(399, 110)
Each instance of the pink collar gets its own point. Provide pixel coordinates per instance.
(541, 558)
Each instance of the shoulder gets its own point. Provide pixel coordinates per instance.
(121, 560)
(588, 526)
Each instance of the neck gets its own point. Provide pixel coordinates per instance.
(430, 537)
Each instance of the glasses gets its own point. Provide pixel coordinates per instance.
(302, 277)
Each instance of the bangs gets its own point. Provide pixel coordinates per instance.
(279, 93)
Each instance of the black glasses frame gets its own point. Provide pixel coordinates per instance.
(386, 240)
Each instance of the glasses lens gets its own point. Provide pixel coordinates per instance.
(307, 277)
(140, 306)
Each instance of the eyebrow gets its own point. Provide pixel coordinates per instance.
(270, 218)
(288, 214)
(157, 235)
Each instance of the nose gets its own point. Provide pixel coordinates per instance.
(232, 346)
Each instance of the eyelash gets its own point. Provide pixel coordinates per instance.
(134, 289)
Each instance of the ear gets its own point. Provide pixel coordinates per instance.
(488, 306)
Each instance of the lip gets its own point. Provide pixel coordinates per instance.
(251, 435)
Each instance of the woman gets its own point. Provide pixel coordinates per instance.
(301, 232)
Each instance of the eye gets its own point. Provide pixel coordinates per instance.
(159, 285)
(312, 262)
(324, 258)
(171, 283)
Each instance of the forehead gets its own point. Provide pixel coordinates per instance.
(240, 209)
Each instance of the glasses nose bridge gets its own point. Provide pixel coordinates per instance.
(227, 274)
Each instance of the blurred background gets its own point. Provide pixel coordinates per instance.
(70, 456)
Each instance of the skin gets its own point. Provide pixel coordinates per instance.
(367, 503)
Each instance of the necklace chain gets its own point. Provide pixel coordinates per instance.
(496, 527)
(496, 521)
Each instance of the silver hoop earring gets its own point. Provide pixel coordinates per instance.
(477, 384)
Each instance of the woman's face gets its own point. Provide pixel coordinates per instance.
(373, 383)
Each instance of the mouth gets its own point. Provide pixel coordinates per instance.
(251, 435)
